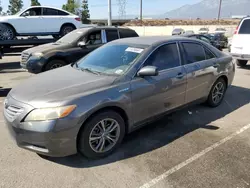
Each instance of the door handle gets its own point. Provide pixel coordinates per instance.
(180, 75)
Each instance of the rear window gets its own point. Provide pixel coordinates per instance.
(245, 27)
(124, 33)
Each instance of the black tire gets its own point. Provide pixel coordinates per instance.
(53, 64)
(6, 33)
(211, 99)
(84, 146)
(241, 63)
(66, 29)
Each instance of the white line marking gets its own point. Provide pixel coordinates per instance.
(193, 158)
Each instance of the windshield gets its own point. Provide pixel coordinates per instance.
(113, 59)
(71, 37)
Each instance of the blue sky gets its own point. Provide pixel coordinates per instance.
(98, 8)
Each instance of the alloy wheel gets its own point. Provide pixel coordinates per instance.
(218, 92)
(56, 65)
(104, 135)
(6, 33)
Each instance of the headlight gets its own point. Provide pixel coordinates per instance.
(44, 114)
(37, 55)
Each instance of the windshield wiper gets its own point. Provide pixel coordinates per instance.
(89, 70)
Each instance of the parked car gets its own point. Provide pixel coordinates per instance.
(189, 32)
(38, 20)
(240, 49)
(220, 39)
(220, 30)
(91, 105)
(178, 31)
(203, 30)
(70, 48)
(204, 38)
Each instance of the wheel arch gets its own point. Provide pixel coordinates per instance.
(54, 58)
(10, 25)
(114, 108)
(67, 23)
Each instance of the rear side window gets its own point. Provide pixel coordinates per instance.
(61, 13)
(209, 55)
(165, 57)
(50, 12)
(245, 27)
(112, 35)
(127, 33)
(194, 52)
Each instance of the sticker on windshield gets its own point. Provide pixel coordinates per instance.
(135, 50)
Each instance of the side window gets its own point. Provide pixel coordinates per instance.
(94, 38)
(245, 27)
(50, 12)
(33, 12)
(61, 13)
(205, 39)
(124, 33)
(165, 57)
(209, 55)
(193, 52)
(111, 35)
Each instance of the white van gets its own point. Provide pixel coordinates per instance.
(240, 48)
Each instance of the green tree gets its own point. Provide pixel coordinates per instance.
(85, 12)
(15, 6)
(70, 6)
(35, 3)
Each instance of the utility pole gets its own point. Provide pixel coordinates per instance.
(141, 10)
(110, 13)
(219, 10)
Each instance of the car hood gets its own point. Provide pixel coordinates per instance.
(45, 48)
(6, 18)
(59, 85)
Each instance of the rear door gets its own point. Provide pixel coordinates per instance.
(53, 20)
(157, 94)
(241, 39)
(199, 68)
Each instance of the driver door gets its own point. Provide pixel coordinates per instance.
(30, 22)
(93, 40)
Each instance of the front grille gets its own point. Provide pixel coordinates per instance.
(24, 57)
(12, 112)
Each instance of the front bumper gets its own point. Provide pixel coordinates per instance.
(241, 56)
(33, 65)
(56, 138)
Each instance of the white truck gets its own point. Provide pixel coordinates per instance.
(240, 48)
(38, 21)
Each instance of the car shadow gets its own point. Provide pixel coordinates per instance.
(4, 91)
(10, 65)
(164, 131)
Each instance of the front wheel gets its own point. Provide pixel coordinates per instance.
(241, 63)
(6, 32)
(54, 64)
(217, 93)
(101, 135)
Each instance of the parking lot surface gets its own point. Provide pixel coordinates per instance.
(195, 147)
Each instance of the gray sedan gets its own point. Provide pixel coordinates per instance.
(89, 107)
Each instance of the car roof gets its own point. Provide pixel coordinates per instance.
(89, 27)
(151, 40)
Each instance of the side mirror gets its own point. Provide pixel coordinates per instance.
(81, 44)
(148, 71)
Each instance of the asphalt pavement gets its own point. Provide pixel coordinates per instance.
(194, 147)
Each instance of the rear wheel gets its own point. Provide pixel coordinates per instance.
(6, 32)
(55, 64)
(101, 135)
(241, 63)
(217, 93)
(66, 29)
